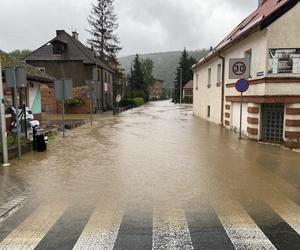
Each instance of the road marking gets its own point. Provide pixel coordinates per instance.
(101, 231)
(31, 231)
(241, 229)
(288, 210)
(170, 230)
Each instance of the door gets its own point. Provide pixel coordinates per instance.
(272, 123)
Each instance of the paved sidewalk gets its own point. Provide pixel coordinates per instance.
(12, 194)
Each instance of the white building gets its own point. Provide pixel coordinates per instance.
(270, 37)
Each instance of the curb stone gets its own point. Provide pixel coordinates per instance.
(10, 207)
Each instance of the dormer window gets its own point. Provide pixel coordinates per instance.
(58, 48)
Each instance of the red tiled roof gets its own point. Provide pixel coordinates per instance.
(189, 85)
(255, 19)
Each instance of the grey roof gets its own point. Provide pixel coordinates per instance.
(33, 73)
(75, 51)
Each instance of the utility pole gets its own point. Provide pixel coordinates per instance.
(3, 123)
(180, 92)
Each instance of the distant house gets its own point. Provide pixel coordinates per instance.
(188, 92)
(66, 57)
(31, 94)
(156, 91)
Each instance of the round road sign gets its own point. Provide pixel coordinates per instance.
(242, 85)
(118, 98)
(239, 68)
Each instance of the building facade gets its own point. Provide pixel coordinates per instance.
(270, 38)
(156, 91)
(65, 57)
(187, 92)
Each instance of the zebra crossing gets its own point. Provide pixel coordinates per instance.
(170, 227)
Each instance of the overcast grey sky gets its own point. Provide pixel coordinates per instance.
(145, 25)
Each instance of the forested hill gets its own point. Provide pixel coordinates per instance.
(165, 63)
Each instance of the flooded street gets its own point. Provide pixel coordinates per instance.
(155, 177)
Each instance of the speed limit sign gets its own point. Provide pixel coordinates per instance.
(239, 68)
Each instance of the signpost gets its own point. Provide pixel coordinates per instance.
(241, 86)
(16, 77)
(239, 68)
(91, 95)
(63, 91)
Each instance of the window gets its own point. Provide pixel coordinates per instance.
(248, 54)
(98, 75)
(219, 73)
(197, 83)
(42, 69)
(209, 78)
(58, 48)
(208, 111)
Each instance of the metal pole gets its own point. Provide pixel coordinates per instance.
(3, 123)
(91, 110)
(25, 121)
(63, 108)
(180, 86)
(17, 115)
(241, 116)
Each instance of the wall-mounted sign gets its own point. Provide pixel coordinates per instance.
(105, 87)
(284, 61)
(260, 74)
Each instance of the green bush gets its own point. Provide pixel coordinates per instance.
(126, 102)
(138, 101)
(137, 93)
(74, 102)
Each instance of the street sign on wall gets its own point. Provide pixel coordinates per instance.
(239, 68)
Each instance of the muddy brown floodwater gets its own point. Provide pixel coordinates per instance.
(160, 156)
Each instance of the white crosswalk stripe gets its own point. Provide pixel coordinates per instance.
(287, 210)
(241, 229)
(29, 233)
(170, 230)
(101, 231)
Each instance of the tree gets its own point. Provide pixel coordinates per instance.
(147, 69)
(19, 54)
(104, 22)
(185, 66)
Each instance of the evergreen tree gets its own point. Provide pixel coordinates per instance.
(185, 66)
(103, 22)
(137, 76)
(147, 69)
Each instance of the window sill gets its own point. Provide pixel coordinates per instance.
(208, 86)
(219, 84)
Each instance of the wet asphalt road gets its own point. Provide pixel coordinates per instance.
(156, 177)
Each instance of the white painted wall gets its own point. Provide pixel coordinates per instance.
(283, 33)
(235, 117)
(204, 96)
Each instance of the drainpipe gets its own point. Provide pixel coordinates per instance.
(223, 88)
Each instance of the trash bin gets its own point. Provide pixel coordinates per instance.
(39, 143)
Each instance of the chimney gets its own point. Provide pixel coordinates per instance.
(59, 32)
(75, 35)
